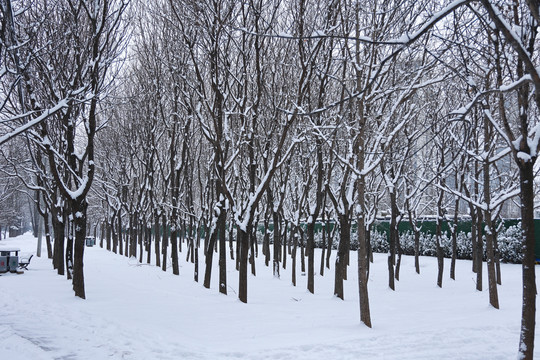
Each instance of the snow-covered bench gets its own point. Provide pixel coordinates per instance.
(23, 263)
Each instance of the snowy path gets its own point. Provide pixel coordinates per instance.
(139, 312)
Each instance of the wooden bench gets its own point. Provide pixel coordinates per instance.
(23, 263)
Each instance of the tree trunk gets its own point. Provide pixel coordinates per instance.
(490, 229)
(294, 236)
(242, 283)
(399, 254)
(440, 253)
(59, 236)
(473, 239)
(323, 250)
(79, 211)
(222, 228)
(311, 256)
(363, 261)
(133, 235)
(174, 250)
(238, 249)
(196, 253)
(114, 234)
(286, 244)
(302, 252)
(416, 249)
(148, 240)
(528, 309)
(490, 254)
(453, 231)
(164, 243)
(344, 237)
(393, 272)
(331, 244)
(392, 243)
(252, 251)
(266, 243)
(108, 233)
(497, 259)
(102, 234)
(157, 236)
(47, 235)
(277, 243)
(69, 249)
(454, 251)
(127, 240)
(209, 258)
(231, 247)
(120, 247)
(479, 251)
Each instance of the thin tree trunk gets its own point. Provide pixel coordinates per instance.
(79, 222)
(209, 259)
(108, 232)
(416, 249)
(157, 237)
(473, 240)
(294, 236)
(323, 250)
(242, 286)
(277, 244)
(266, 243)
(133, 235)
(47, 235)
(479, 252)
(222, 228)
(69, 249)
(391, 261)
(454, 237)
(344, 237)
(120, 247)
(231, 240)
(252, 251)
(528, 309)
(174, 250)
(399, 254)
(440, 253)
(59, 236)
(311, 256)
(127, 240)
(165, 242)
(331, 244)
(196, 253)
(148, 245)
(140, 239)
(497, 259)
(363, 261)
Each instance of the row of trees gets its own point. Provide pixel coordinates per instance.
(226, 115)
(55, 61)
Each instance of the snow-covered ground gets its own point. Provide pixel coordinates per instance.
(136, 311)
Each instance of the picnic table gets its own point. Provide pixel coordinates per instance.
(9, 259)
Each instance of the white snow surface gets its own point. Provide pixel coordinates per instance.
(136, 311)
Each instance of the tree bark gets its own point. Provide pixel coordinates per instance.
(344, 238)
(157, 236)
(479, 251)
(222, 228)
(242, 286)
(277, 243)
(363, 261)
(79, 210)
(528, 309)
(165, 242)
(174, 250)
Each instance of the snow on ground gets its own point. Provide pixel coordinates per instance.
(136, 311)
